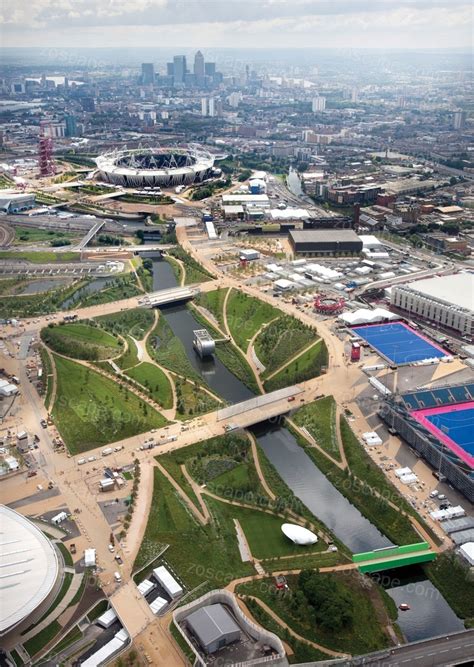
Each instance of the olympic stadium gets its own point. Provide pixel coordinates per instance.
(152, 167)
(439, 424)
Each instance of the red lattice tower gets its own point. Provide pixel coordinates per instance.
(45, 152)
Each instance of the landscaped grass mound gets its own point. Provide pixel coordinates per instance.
(81, 341)
(195, 273)
(319, 419)
(90, 410)
(308, 365)
(246, 315)
(135, 322)
(280, 341)
(214, 303)
(332, 609)
(155, 382)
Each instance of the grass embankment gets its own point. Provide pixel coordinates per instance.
(90, 410)
(130, 357)
(455, 583)
(392, 523)
(281, 341)
(230, 355)
(115, 289)
(246, 315)
(135, 322)
(66, 584)
(333, 610)
(65, 554)
(167, 350)
(302, 652)
(33, 235)
(81, 341)
(319, 419)
(214, 303)
(47, 377)
(39, 641)
(309, 365)
(191, 400)
(197, 553)
(195, 273)
(154, 381)
(40, 257)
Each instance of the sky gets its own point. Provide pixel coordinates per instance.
(406, 24)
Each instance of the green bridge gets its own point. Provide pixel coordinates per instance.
(392, 557)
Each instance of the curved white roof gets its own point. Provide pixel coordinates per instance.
(29, 567)
(298, 534)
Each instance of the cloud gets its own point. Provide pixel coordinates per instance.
(234, 22)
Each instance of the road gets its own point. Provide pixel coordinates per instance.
(439, 652)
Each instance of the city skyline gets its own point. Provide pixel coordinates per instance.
(406, 24)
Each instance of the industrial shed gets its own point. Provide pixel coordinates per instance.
(325, 242)
(213, 627)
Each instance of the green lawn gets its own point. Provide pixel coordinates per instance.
(41, 257)
(134, 322)
(66, 554)
(214, 303)
(245, 316)
(91, 410)
(454, 582)
(280, 341)
(263, 532)
(307, 366)
(130, 357)
(197, 553)
(33, 235)
(319, 419)
(155, 381)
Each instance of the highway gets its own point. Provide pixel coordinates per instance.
(442, 651)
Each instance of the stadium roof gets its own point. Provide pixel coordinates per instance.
(29, 567)
(456, 290)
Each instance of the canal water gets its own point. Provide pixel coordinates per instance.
(183, 323)
(38, 286)
(294, 183)
(94, 286)
(318, 494)
(429, 614)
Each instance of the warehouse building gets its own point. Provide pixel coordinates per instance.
(213, 627)
(445, 300)
(325, 242)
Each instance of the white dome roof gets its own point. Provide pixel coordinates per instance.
(298, 534)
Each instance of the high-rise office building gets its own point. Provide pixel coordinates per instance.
(169, 69)
(209, 69)
(71, 126)
(179, 69)
(148, 74)
(199, 69)
(459, 119)
(318, 104)
(204, 106)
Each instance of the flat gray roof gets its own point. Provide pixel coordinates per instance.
(323, 235)
(211, 622)
(456, 290)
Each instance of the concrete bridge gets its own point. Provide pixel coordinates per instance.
(166, 296)
(394, 557)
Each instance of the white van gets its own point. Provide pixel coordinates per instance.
(434, 493)
(81, 462)
(117, 577)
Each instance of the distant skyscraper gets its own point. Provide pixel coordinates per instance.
(179, 69)
(204, 107)
(318, 104)
(209, 69)
(212, 106)
(199, 69)
(355, 95)
(235, 99)
(148, 73)
(71, 126)
(169, 69)
(459, 119)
